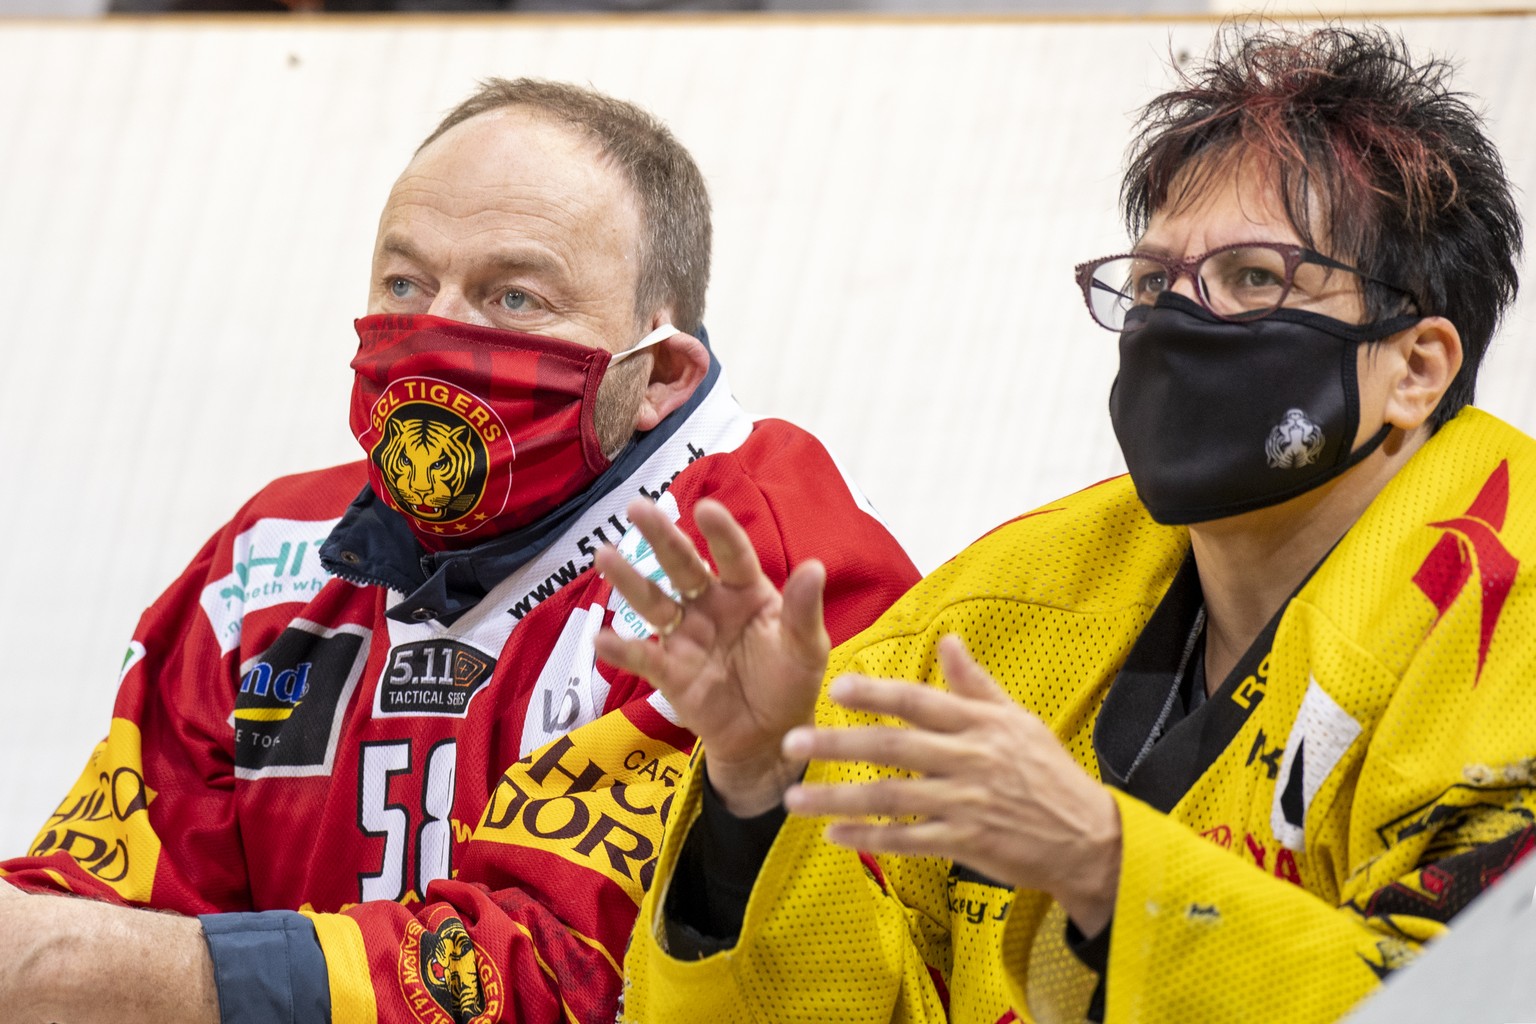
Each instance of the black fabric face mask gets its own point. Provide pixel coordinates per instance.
(1216, 417)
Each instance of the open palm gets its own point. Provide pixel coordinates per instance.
(740, 662)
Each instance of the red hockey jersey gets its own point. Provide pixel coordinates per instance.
(468, 813)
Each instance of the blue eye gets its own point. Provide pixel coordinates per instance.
(399, 287)
(514, 300)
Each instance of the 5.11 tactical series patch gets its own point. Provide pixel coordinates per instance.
(432, 677)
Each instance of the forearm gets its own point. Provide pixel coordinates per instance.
(77, 961)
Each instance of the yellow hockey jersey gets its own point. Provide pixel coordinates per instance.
(1384, 774)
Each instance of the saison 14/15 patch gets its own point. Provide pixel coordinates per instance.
(444, 979)
(432, 677)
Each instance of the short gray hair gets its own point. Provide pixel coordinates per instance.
(674, 201)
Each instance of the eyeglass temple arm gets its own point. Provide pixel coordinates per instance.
(1309, 256)
(1094, 282)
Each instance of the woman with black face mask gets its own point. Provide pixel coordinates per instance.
(1225, 739)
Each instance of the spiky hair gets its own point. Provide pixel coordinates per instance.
(1378, 162)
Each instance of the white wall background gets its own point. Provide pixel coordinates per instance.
(93, 8)
(187, 211)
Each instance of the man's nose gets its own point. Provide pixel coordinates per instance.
(451, 304)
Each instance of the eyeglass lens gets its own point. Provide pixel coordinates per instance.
(1238, 283)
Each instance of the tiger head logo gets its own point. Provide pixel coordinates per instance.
(450, 967)
(1294, 442)
(433, 463)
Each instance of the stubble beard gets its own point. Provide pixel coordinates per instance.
(618, 402)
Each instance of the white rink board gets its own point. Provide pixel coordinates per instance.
(187, 211)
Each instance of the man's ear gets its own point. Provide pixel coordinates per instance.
(1427, 358)
(678, 366)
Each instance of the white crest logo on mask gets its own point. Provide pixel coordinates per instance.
(1294, 442)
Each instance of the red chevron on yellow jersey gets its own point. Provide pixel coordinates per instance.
(1381, 776)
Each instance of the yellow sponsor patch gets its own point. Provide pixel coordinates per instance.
(599, 806)
(103, 824)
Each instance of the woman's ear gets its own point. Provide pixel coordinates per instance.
(1424, 361)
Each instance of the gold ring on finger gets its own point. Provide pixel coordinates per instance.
(666, 629)
(694, 593)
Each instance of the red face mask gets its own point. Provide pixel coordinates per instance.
(475, 431)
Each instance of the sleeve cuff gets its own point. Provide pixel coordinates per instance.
(1093, 952)
(268, 967)
(716, 871)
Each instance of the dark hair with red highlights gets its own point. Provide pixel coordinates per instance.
(1396, 164)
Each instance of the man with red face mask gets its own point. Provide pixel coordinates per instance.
(363, 748)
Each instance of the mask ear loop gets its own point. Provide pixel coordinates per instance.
(656, 337)
(1351, 458)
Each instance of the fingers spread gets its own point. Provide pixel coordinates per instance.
(802, 616)
(644, 596)
(965, 675)
(891, 798)
(729, 545)
(917, 839)
(914, 750)
(922, 706)
(685, 568)
(646, 660)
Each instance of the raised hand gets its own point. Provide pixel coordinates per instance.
(740, 662)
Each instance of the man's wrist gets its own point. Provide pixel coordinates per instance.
(750, 789)
(117, 949)
(716, 872)
(34, 986)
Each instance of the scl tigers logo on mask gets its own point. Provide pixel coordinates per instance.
(443, 977)
(432, 452)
